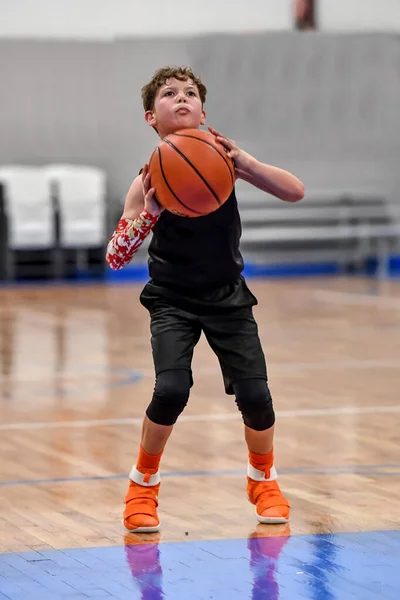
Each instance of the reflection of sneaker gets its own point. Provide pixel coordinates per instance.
(140, 514)
(268, 541)
(260, 531)
(271, 505)
(143, 558)
(265, 549)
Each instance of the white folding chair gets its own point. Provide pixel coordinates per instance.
(80, 192)
(29, 212)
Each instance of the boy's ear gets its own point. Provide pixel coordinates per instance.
(150, 118)
(203, 118)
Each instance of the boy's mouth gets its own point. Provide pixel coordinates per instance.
(182, 110)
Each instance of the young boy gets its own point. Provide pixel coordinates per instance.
(194, 287)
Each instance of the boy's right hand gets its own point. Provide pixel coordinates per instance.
(150, 203)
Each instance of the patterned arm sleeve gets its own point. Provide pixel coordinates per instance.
(127, 239)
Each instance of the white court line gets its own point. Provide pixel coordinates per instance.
(345, 364)
(337, 297)
(210, 417)
(76, 377)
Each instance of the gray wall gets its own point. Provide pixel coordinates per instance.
(326, 106)
(55, 101)
(107, 19)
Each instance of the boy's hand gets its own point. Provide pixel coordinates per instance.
(239, 157)
(150, 203)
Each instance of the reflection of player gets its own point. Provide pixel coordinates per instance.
(143, 558)
(265, 550)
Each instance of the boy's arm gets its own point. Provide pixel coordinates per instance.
(275, 181)
(141, 213)
(272, 180)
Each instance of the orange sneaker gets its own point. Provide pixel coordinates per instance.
(141, 501)
(271, 505)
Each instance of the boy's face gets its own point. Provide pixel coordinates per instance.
(177, 106)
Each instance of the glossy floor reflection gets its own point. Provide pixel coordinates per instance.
(364, 566)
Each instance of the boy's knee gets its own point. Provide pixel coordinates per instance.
(170, 396)
(254, 401)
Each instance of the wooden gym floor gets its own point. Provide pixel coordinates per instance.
(76, 376)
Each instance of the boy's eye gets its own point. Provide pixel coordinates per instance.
(168, 93)
(191, 93)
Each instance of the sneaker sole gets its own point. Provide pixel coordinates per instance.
(143, 529)
(271, 520)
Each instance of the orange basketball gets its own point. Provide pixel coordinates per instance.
(191, 173)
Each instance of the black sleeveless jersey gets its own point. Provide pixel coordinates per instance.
(197, 253)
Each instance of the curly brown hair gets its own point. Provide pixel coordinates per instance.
(149, 91)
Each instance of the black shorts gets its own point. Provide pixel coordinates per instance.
(226, 318)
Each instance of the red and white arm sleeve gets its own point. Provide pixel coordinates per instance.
(127, 239)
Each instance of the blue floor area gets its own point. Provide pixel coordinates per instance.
(363, 566)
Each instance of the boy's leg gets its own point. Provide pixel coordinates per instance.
(174, 335)
(235, 340)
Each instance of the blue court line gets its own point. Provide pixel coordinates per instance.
(127, 377)
(376, 470)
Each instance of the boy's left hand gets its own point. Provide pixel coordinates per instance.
(239, 157)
